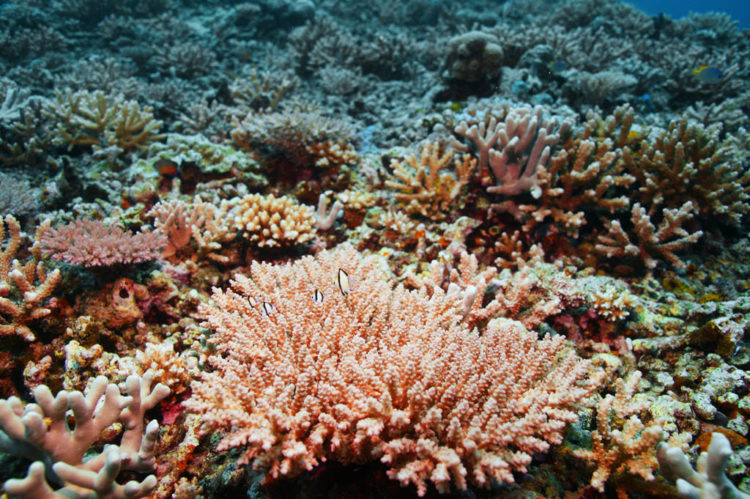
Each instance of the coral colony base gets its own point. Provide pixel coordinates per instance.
(296, 248)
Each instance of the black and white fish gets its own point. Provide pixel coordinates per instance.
(268, 308)
(342, 279)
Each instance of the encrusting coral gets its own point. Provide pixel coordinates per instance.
(324, 359)
(41, 433)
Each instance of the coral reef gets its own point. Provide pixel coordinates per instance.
(408, 248)
(310, 369)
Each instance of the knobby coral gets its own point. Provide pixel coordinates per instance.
(325, 359)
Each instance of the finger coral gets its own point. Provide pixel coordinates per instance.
(325, 359)
(40, 432)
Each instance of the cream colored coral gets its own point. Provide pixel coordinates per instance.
(270, 221)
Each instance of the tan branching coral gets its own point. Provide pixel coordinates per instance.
(23, 287)
(586, 175)
(424, 185)
(40, 432)
(270, 221)
(664, 241)
(618, 450)
(99, 120)
(621, 442)
(689, 162)
(513, 253)
(325, 359)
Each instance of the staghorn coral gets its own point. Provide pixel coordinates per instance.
(584, 177)
(92, 243)
(425, 188)
(689, 162)
(23, 287)
(664, 241)
(308, 370)
(630, 449)
(99, 120)
(40, 432)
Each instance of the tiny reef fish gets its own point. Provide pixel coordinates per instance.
(342, 279)
(708, 74)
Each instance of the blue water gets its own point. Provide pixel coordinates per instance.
(738, 9)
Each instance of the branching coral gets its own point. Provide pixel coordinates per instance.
(40, 432)
(425, 187)
(689, 162)
(99, 120)
(324, 359)
(92, 243)
(630, 449)
(515, 146)
(664, 241)
(23, 288)
(270, 221)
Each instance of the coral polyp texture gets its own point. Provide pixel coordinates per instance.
(383, 249)
(92, 243)
(311, 368)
